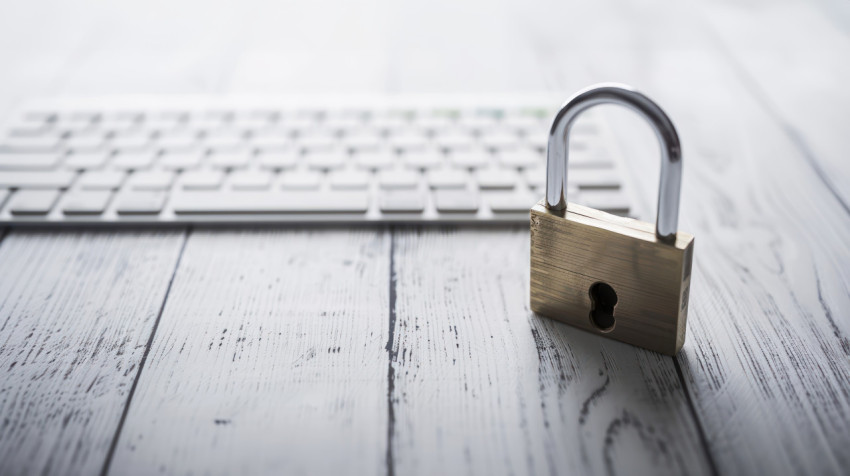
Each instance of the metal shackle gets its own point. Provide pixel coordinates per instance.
(557, 156)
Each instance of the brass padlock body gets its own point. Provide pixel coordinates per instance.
(573, 249)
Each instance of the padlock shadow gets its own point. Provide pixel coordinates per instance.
(597, 382)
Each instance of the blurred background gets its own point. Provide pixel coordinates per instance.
(732, 74)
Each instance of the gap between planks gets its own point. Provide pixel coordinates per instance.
(114, 443)
(391, 355)
(703, 438)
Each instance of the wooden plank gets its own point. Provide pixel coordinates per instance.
(269, 358)
(767, 359)
(76, 312)
(483, 386)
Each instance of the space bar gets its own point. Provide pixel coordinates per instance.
(270, 202)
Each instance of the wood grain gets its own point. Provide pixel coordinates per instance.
(269, 358)
(768, 359)
(484, 386)
(76, 311)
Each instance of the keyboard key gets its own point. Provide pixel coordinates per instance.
(585, 127)
(340, 121)
(162, 122)
(44, 180)
(409, 142)
(177, 142)
(86, 160)
(296, 124)
(4, 194)
(129, 203)
(327, 160)
(317, 142)
(434, 122)
(254, 119)
(536, 177)
(271, 202)
(180, 161)
(26, 129)
(500, 139)
(349, 180)
(278, 160)
(225, 144)
(510, 202)
(35, 127)
(538, 139)
(202, 180)
(133, 160)
(101, 180)
(80, 117)
(301, 180)
(85, 202)
(390, 179)
(250, 180)
(39, 116)
(611, 201)
(447, 178)
(455, 201)
(271, 144)
(523, 157)
(496, 178)
(33, 202)
(471, 158)
(130, 142)
(476, 122)
(207, 121)
(79, 129)
(594, 159)
(594, 178)
(364, 141)
(577, 144)
(455, 140)
(157, 180)
(401, 201)
(120, 121)
(521, 121)
(388, 122)
(84, 143)
(273, 131)
(423, 159)
(375, 160)
(28, 145)
(29, 161)
(230, 160)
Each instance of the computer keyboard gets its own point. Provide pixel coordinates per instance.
(418, 159)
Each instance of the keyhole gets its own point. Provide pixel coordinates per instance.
(603, 299)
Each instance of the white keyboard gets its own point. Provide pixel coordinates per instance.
(334, 160)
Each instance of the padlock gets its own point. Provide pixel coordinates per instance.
(606, 274)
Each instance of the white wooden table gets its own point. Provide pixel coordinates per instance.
(413, 351)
